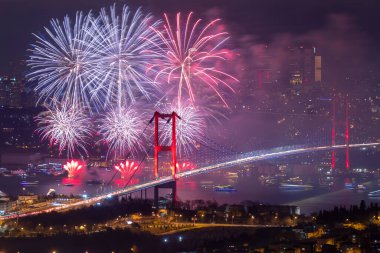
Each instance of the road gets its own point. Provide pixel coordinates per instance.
(240, 160)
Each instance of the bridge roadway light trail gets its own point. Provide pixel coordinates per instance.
(162, 180)
(253, 158)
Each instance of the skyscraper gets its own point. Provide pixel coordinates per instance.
(3, 93)
(11, 91)
(301, 65)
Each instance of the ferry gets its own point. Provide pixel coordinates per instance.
(224, 188)
(374, 194)
(25, 183)
(295, 187)
(361, 188)
(18, 172)
(294, 180)
(206, 184)
(267, 180)
(7, 174)
(350, 186)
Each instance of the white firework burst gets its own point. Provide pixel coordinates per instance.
(123, 131)
(125, 45)
(189, 129)
(65, 126)
(60, 61)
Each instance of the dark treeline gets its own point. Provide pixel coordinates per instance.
(92, 214)
(108, 241)
(122, 241)
(353, 213)
(210, 210)
(221, 239)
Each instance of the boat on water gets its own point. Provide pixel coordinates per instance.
(68, 184)
(374, 194)
(350, 186)
(326, 183)
(224, 188)
(29, 182)
(231, 175)
(57, 173)
(94, 181)
(18, 172)
(7, 174)
(267, 180)
(286, 186)
(355, 187)
(361, 188)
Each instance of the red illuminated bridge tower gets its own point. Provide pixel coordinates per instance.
(340, 123)
(171, 148)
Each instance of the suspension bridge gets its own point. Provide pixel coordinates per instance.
(159, 181)
(228, 159)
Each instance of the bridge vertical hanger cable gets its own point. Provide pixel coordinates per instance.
(146, 155)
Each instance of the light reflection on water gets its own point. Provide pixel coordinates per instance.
(199, 187)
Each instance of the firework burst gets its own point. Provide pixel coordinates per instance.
(183, 166)
(126, 169)
(189, 129)
(65, 126)
(189, 56)
(72, 168)
(125, 45)
(123, 130)
(60, 61)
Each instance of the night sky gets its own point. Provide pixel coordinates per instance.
(345, 33)
(261, 21)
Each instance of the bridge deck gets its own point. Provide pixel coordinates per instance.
(163, 180)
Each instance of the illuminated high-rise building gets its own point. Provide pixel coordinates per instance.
(3, 93)
(301, 65)
(11, 91)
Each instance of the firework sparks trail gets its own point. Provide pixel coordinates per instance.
(189, 55)
(72, 168)
(123, 130)
(183, 166)
(190, 128)
(97, 63)
(60, 60)
(126, 169)
(125, 45)
(65, 126)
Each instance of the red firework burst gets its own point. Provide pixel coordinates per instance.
(72, 168)
(126, 169)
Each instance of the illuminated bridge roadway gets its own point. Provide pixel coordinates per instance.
(238, 160)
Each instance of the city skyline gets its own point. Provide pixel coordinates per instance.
(195, 125)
